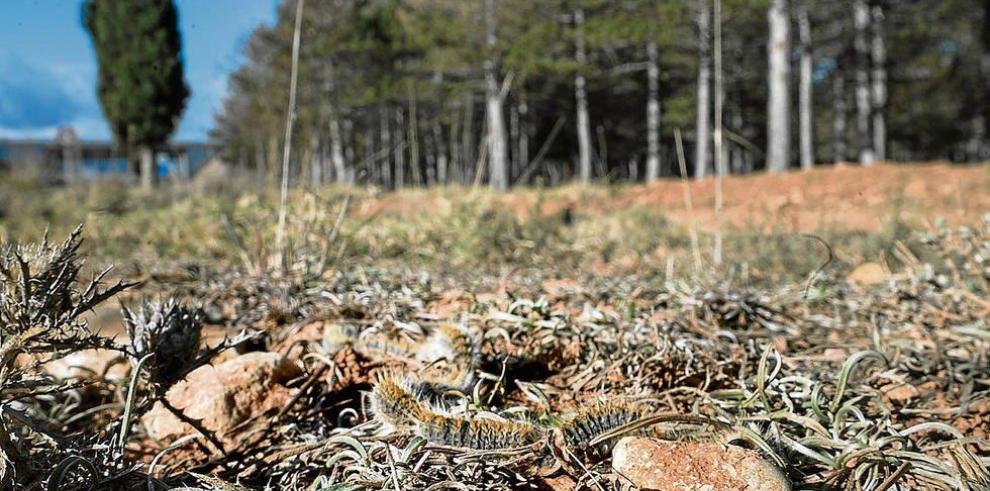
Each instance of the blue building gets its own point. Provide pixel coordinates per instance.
(53, 160)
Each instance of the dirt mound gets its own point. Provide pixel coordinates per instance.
(844, 196)
(840, 197)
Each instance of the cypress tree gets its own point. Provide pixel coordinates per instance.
(141, 85)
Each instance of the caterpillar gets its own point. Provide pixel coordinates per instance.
(451, 342)
(448, 355)
(476, 433)
(456, 351)
(598, 419)
(400, 403)
(395, 402)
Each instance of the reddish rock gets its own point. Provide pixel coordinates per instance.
(660, 465)
(559, 483)
(294, 344)
(224, 396)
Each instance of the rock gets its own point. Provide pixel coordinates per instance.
(900, 392)
(224, 396)
(867, 274)
(660, 465)
(559, 483)
(89, 364)
(835, 354)
(295, 344)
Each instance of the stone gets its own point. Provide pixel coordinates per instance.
(224, 396)
(900, 392)
(660, 465)
(90, 364)
(867, 274)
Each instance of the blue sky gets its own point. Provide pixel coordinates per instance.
(48, 69)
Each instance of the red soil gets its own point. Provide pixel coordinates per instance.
(840, 197)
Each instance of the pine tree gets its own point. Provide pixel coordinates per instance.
(141, 84)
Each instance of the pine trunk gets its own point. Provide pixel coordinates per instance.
(147, 168)
(456, 150)
(878, 57)
(840, 148)
(441, 151)
(467, 140)
(413, 138)
(523, 142)
(778, 110)
(861, 21)
(386, 139)
(703, 125)
(653, 111)
(400, 154)
(316, 161)
(498, 171)
(341, 173)
(581, 97)
(804, 91)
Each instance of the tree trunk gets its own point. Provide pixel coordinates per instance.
(467, 140)
(348, 142)
(861, 21)
(581, 96)
(372, 170)
(779, 75)
(981, 124)
(523, 142)
(304, 164)
(259, 164)
(430, 156)
(721, 150)
(147, 167)
(652, 111)
(804, 90)
(413, 139)
(341, 173)
(498, 170)
(441, 152)
(703, 125)
(400, 154)
(386, 139)
(311, 159)
(840, 148)
(271, 162)
(316, 162)
(456, 151)
(878, 55)
(513, 137)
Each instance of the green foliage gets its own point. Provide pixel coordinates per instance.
(141, 85)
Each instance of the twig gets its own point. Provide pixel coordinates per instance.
(543, 150)
(893, 478)
(287, 146)
(831, 256)
(687, 200)
(129, 405)
(719, 160)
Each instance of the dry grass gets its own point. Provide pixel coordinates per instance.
(844, 387)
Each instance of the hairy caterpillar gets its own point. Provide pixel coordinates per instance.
(476, 433)
(400, 403)
(598, 419)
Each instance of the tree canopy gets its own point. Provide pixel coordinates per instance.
(404, 79)
(141, 85)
